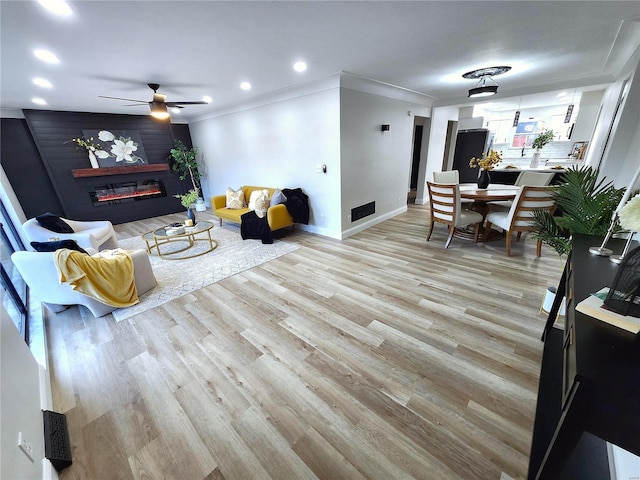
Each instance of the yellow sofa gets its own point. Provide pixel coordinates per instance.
(277, 216)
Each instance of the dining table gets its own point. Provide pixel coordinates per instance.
(482, 197)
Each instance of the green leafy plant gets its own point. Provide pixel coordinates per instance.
(543, 138)
(585, 205)
(189, 198)
(185, 164)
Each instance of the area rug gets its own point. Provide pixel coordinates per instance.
(179, 277)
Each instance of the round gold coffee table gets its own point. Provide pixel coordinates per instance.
(158, 237)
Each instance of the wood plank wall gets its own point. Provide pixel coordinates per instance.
(24, 169)
(52, 132)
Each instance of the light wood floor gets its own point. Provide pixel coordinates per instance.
(381, 357)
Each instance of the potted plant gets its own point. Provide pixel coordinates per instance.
(187, 200)
(538, 143)
(584, 205)
(185, 164)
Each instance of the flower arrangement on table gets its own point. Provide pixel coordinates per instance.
(488, 161)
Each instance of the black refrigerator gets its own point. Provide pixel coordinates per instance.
(470, 143)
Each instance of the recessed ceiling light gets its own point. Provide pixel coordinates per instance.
(38, 101)
(175, 110)
(207, 99)
(245, 86)
(42, 82)
(561, 94)
(57, 7)
(299, 66)
(46, 56)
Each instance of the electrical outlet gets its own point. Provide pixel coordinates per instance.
(25, 446)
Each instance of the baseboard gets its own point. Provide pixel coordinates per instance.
(374, 221)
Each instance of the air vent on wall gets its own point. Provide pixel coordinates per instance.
(363, 211)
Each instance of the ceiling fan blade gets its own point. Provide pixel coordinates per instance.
(136, 104)
(177, 104)
(125, 99)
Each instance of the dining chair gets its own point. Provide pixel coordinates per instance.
(535, 179)
(450, 176)
(519, 217)
(444, 203)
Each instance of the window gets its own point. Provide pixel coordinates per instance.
(14, 290)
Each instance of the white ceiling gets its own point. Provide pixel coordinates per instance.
(197, 48)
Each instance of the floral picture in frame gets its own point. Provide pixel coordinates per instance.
(117, 148)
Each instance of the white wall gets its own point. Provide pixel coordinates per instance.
(621, 158)
(20, 405)
(280, 142)
(278, 145)
(586, 119)
(435, 140)
(375, 165)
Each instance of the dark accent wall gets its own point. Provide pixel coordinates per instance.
(25, 170)
(52, 131)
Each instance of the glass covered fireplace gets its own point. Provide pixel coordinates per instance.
(126, 192)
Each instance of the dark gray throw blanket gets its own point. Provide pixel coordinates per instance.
(254, 227)
(297, 204)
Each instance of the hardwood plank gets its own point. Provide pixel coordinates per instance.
(378, 356)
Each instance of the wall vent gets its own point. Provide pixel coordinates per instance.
(363, 211)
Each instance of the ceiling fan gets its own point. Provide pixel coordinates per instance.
(158, 105)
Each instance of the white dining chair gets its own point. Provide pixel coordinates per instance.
(534, 179)
(519, 217)
(444, 203)
(450, 176)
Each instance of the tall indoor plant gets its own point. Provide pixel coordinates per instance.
(185, 164)
(585, 204)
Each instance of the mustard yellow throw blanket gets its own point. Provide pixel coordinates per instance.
(106, 276)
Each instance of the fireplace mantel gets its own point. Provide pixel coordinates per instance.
(124, 170)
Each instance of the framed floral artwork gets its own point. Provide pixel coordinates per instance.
(114, 148)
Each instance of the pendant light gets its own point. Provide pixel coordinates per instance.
(482, 89)
(516, 117)
(567, 117)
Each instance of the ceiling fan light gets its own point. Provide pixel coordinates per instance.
(484, 91)
(159, 110)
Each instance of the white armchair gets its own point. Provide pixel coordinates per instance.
(38, 269)
(98, 235)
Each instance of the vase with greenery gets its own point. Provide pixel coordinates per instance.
(187, 200)
(538, 143)
(542, 139)
(585, 204)
(185, 164)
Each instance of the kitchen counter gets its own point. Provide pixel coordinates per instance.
(546, 164)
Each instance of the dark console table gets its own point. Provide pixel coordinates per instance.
(589, 390)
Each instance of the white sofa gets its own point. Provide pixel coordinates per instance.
(98, 235)
(39, 271)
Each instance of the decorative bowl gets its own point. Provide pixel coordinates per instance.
(174, 230)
